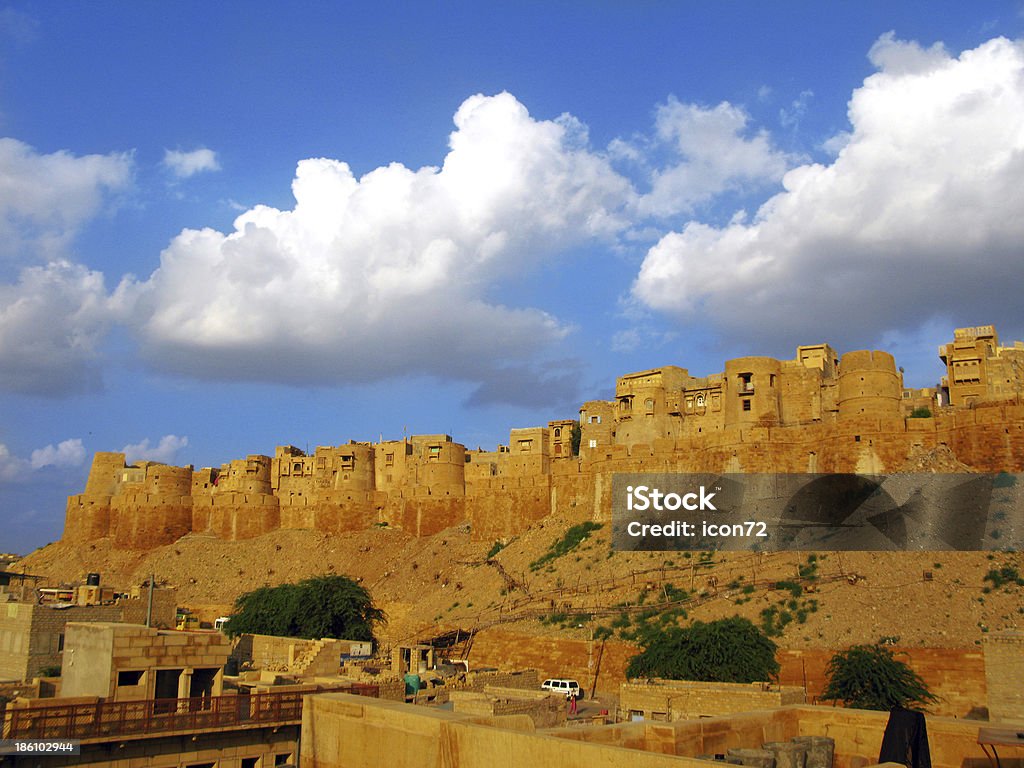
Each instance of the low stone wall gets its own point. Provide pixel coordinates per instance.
(556, 657)
(1004, 673)
(857, 735)
(955, 675)
(390, 687)
(526, 679)
(16, 690)
(346, 731)
(268, 651)
(135, 609)
(545, 710)
(687, 700)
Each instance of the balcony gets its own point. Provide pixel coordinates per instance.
(106, 720)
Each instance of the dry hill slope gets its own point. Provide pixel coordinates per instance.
(432, 584)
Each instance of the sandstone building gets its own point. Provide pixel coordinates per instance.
(819, 412)
(32, 633)
(978, 369)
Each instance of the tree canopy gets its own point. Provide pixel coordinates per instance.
(727, 651)
(325, 606)
(870, 677)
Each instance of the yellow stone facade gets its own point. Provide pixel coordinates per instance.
(819, 412)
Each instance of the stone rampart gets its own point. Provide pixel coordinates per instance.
(818, 413)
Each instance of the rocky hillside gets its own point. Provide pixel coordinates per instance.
(562, 578)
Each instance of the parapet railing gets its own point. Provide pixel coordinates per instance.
(116, 719)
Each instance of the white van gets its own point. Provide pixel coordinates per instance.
(220, 622)
(562, 686)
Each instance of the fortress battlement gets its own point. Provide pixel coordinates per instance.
(819, 412)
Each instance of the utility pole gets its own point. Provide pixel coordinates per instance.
(149, 604)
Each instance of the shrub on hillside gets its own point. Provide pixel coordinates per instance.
(326, 606)
(727, 651)
(870, 677)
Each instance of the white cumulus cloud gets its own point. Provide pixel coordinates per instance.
(922, 207)
(165, 451)
(11, 467)
(53, 318)
(186, 164)
(51, 325)
(710, 153)
(390, 273)
(45, 198)
(68, 453)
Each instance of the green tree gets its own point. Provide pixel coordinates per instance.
(326, 606)
(577, 436)
(726, 651)
(870, 677)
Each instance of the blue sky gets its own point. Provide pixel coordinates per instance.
(226, 227)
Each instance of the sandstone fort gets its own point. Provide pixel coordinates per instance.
(819, 412)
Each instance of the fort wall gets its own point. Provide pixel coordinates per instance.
(817, 413)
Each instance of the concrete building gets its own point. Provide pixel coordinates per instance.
(134, 696)
(33, 635)
(130, 662)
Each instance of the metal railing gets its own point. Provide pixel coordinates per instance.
(115, 719)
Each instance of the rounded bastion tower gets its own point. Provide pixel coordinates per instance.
(869, 384)
(155, 511)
